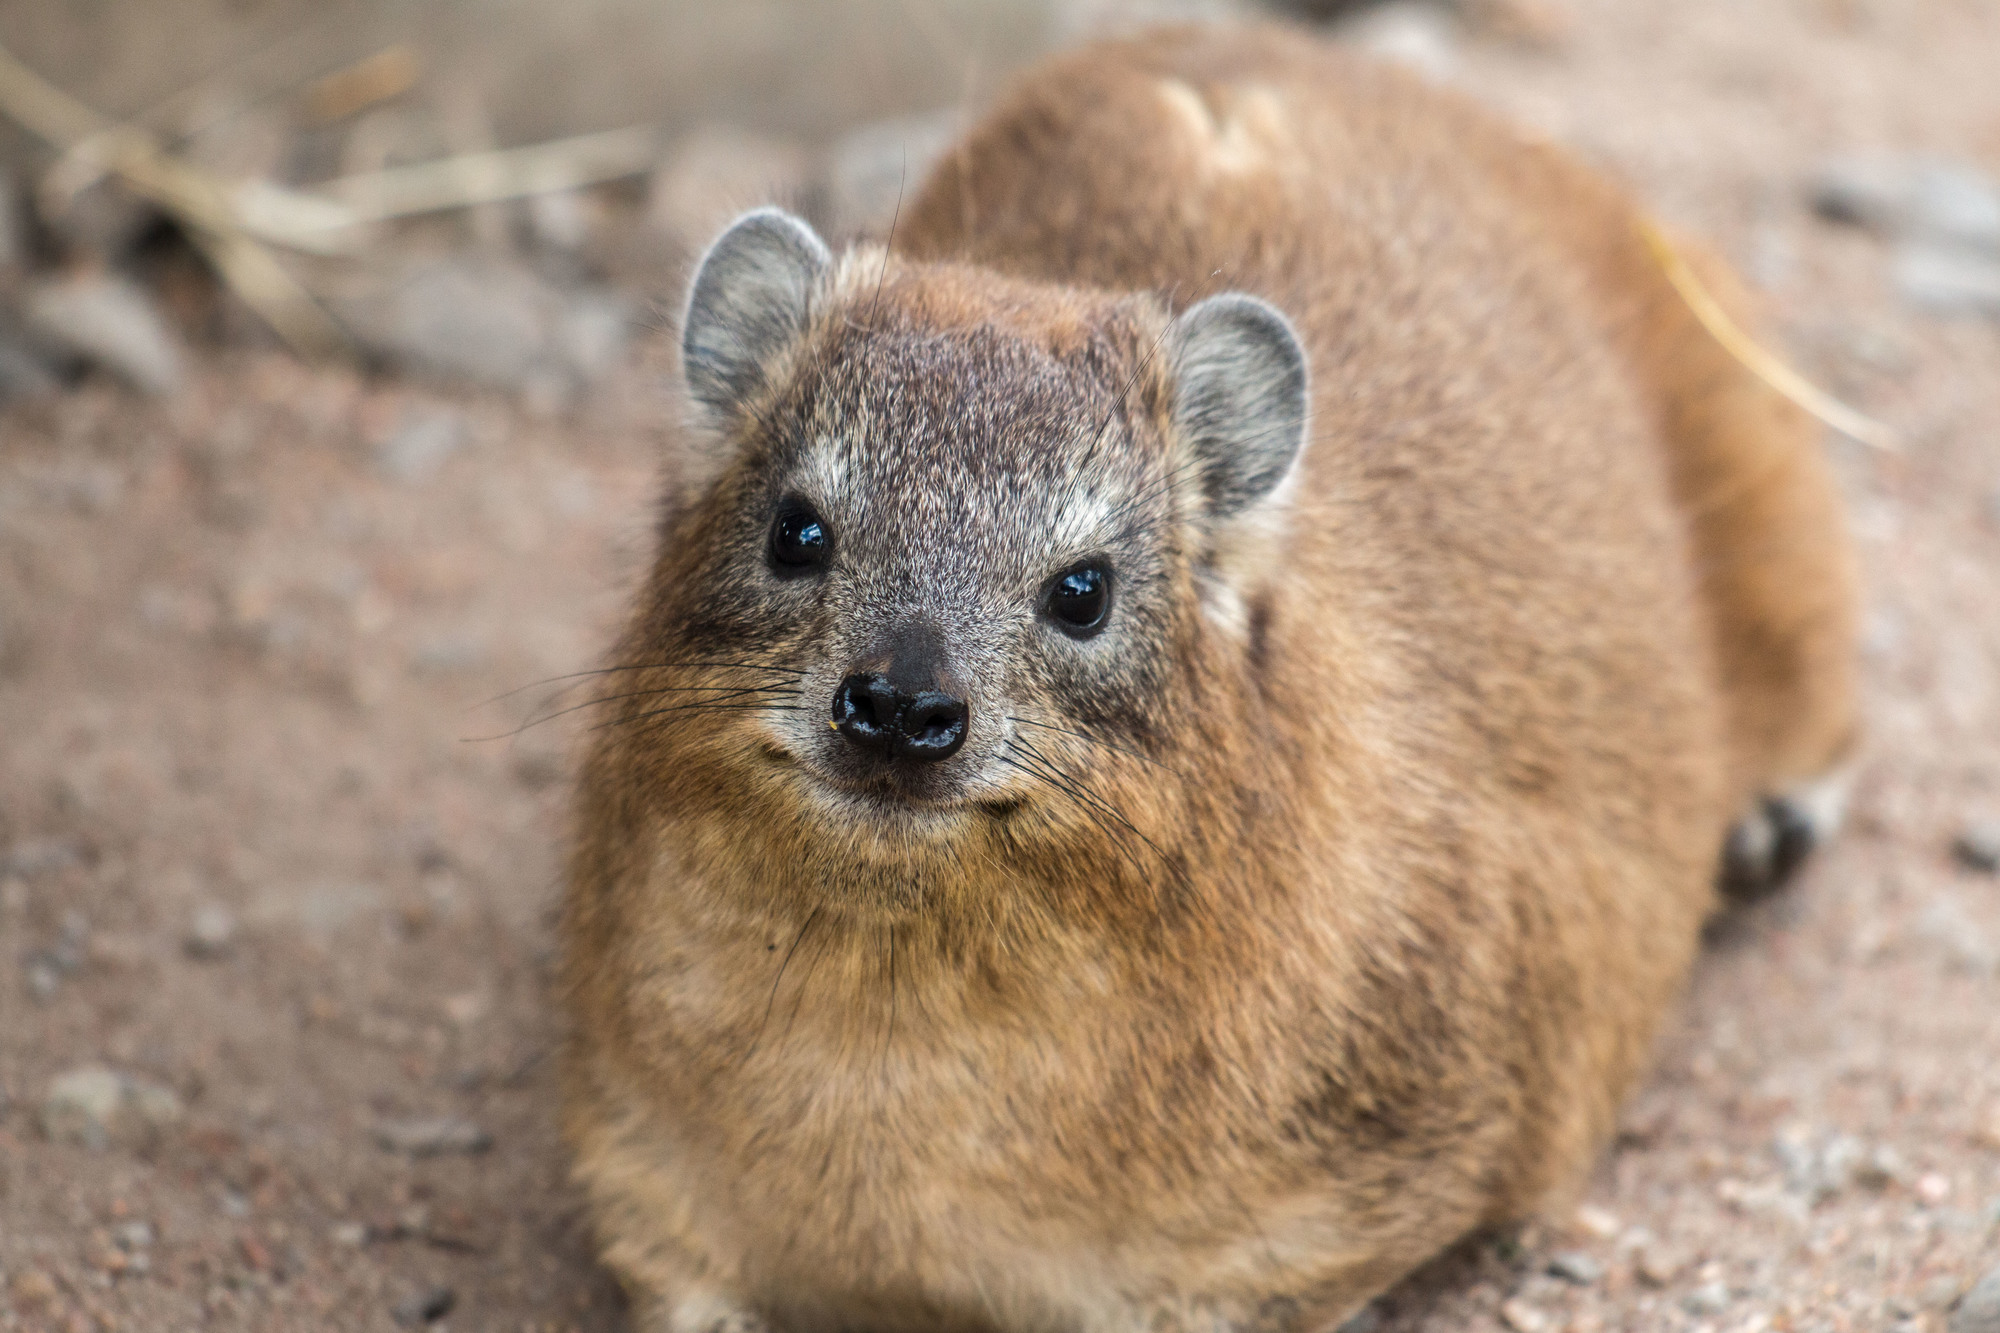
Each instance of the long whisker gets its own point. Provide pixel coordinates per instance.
(1086, 794)
(776, 981)
(1095, 818)
(702, 707)
(640, 666)
(722, 693)
(1098, 740)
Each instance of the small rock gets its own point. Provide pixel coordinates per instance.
(488, 320)
(1708, 1298)
(1978, 1310)
(1938, 203)
(1522, 1317)
(134, 1236)
(1933, 1188)
(1368, 1319)
(1881, 1169)
(716, 172)
(23, 372)
(432, 1136)
(420, 445)
(1658, 1265)
(1420, 37)
(1870, 192)
(1986, 1133)
(1599, 1222)
(44, 979)
(351, 1234)
(32, 1290)
(39, 856)
(94, 1106)
(108, 322)
(1947, 280)
(1978, 846)
(1576, 1266)
(104, 219)
(872, 169)
(1964, 942)
(211, 932)
(424, 1307)
(1939, 1292)
(448, 654)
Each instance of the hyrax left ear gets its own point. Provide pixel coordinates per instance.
(1239, 399)
(751, 300)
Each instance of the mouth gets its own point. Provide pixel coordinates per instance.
(895, 792)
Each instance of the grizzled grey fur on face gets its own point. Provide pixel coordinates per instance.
(948, 530)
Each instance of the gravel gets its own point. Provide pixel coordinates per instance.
(211, 933)
(1577, 1267)
(1978, 1310)
(96, 1106)
(1978, 846)
(420, 445)
(108, 322)
(1948, 281)
(424, 1307)
(1941, 203)
(488, 320)
(433, 1136)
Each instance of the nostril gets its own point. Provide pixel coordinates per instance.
(864, 711)
(931, 726)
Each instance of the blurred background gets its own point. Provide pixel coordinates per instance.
(335, 379)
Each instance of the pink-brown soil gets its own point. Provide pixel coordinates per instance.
(240, 661)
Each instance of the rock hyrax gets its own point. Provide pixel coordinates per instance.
(1186, 717)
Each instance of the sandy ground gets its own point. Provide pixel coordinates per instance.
(245, 635)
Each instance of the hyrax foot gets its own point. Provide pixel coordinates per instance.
(1775, 835)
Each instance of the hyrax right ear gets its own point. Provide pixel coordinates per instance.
(751, 299)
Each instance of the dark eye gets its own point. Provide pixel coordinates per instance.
(1079, 600)
(799, 538)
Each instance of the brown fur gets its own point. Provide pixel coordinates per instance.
(1424, 777)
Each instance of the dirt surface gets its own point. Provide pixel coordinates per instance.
(244, 636)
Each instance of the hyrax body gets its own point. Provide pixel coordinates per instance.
(1090, 832)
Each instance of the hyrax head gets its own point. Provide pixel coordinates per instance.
(960, 538)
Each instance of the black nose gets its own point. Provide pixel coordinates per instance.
(925, 725)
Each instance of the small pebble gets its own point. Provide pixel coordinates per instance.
(1708, 1298)
(433, 1136)
(420, 445)
(1368, 1319)
(211, 933)
(1576, 1266)
(351, 1234)
(1978, 1310)
(1933, 1188)
(424, 1307)
(94, 1106)
(1947, 280)
(1599, 1222)
(108, 322)
(32, 1290)
(1978, 846)
(1522, 1317)
(1658, 1264)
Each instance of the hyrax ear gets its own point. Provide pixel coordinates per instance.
(750, 302)
(1239, 398)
